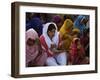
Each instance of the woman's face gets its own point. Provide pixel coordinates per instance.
(51, 33)
(30, 42)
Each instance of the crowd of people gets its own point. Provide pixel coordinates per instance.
(56, 39)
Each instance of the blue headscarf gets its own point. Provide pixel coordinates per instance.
(36, 24)
(78, 24)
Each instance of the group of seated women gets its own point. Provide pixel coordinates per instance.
(46, 45)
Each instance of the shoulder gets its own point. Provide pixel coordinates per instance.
(41, 37)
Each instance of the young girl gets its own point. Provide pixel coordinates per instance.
(50, 42)
(77, 53)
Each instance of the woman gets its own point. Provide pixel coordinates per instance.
(65, 33)
(50, 42)
(35, 56)
(80, 23)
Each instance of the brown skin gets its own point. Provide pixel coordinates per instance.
(51, 33)
(30, 42)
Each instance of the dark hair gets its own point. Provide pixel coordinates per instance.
(51, 27)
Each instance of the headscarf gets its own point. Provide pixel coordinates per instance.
(36, 24)
(57, 19)
(55, 39)
(78, 24)
(31, 51)
(68, 24)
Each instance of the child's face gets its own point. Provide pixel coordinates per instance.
(78, 43)
(51, 33)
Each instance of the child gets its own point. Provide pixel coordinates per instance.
(77, 53)
(50, 42)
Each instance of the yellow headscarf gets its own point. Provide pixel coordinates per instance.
(68, 24)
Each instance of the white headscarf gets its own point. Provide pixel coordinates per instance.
(55, 39)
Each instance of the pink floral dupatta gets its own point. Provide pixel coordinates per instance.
(34, 54)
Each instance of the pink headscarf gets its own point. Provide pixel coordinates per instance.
(31, 51)
(35, 52)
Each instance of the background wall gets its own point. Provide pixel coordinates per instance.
(5, 40)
